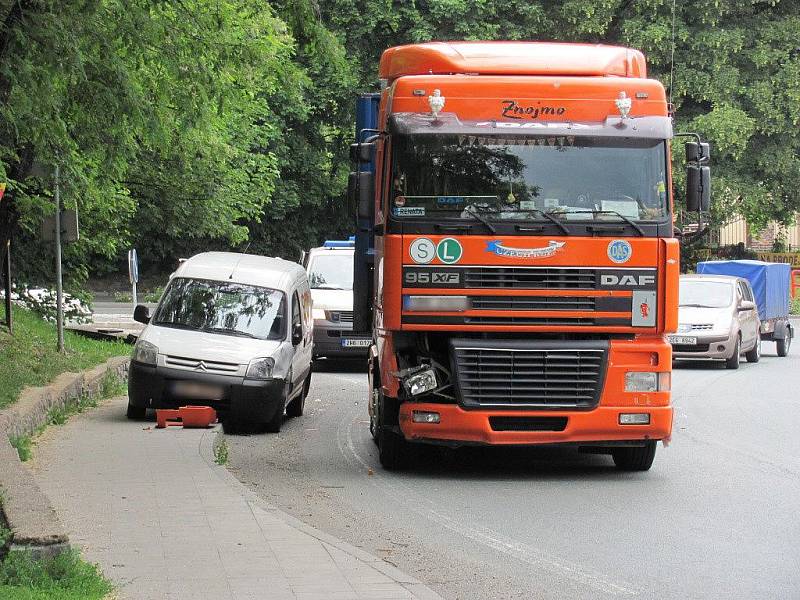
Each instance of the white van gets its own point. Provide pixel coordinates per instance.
(232, 331)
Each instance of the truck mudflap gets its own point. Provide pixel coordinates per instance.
(454, 425)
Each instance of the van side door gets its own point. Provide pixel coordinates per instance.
(302, 321)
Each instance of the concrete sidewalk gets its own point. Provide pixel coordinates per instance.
(163, 521)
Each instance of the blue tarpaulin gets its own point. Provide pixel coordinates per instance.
(770, 282)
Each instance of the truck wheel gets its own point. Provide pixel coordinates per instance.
(296, 406)
(135, 413)
(635, 459)
(733, 361)
(754, 355)
(392, 450)
(784, 344)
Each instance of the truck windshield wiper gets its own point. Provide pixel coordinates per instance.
(482, 219)
(552, 219)
(628, 220)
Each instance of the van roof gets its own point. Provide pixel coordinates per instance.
(251, 269)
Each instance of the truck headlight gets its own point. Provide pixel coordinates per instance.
(260, 368)
(647, 381)
(145, 353)
(420, 382)
(318, 314)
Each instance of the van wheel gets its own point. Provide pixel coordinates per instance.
(783, 345)
(733, 361)
(635, 459)
(274, 424)
(296, 406)
(135, 413)
(754, 355)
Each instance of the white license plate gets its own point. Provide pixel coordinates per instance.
(197, 391)
(351, 343)
(683, 340)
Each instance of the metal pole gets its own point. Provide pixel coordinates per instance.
(135, 299)
(7, 283)
(59, 290)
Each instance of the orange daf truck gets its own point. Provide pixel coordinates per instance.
(515, 254)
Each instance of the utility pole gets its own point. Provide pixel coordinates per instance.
(59, 290)
(7, 285)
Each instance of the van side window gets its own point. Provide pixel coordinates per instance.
(748, 292)
(296, 314)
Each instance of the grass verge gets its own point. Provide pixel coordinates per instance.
(29, 357)
(63, 577)
(221, 452)
(794, 306)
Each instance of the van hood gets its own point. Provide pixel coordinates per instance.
(332, 299)
(208, 346)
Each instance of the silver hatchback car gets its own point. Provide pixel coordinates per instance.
(717, 319)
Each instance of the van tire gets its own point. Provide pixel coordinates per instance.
(733, 361)
(136, 413)
(635, 459)
(754, 354)
(296, 406)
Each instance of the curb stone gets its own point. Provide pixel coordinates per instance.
(209, 441)
(26, 509)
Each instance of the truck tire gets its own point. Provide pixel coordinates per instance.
(733, 361)
(635, 459)
(392, 450)
(135, 413)
(754, 354)
(783, 345)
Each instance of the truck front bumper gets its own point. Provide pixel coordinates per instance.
(593, 427)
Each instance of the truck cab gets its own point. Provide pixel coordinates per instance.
(516, 245)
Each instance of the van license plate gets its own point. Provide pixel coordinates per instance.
(351, 343)
(197, 391)
(683, 340)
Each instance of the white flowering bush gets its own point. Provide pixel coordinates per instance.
(42, 301)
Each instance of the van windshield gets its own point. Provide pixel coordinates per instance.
(223, 307)
(333, 271)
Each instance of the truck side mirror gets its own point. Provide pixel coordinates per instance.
(362, 153)
(698, 153)
(141, 314)
(361, 192)
(698, 188)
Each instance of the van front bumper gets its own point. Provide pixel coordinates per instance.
(154, 387)
(593, 427)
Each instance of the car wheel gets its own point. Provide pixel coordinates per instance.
(296, 406)
(754, 355)
(635, 459)
(784, 344)
(135, 413)
(733, 361)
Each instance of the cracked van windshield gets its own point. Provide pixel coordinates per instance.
(221, 307)
(519, 178)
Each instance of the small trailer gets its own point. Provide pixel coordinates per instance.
(770, 283)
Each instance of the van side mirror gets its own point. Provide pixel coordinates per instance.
(747, 305)
(698, 188)
(141, 314)
(361, 192)
(297, 334)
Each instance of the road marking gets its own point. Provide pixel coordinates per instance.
(487, 537)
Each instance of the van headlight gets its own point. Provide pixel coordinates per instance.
(318, 314)
(145, 353)
(260, 368)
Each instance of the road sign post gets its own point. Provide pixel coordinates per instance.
(6, 256)
(59, 286)
(133, 272)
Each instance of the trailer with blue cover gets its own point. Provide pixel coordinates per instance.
(770, 283)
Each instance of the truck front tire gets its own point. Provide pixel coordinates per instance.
(392, 450)
(636, 458)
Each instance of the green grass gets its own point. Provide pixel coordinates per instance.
(794, 306)
(29, 357)
(23, 445)
(64, 577)
(221, 453)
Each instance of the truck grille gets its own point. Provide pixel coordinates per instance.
(533, 303)
(531, 278)
(526, 374)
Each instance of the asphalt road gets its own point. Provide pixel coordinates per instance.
(716, 516)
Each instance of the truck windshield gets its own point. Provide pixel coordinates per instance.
(521, 177)
(222, 307)
(332, 271)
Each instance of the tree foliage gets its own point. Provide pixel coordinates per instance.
(182, 125)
